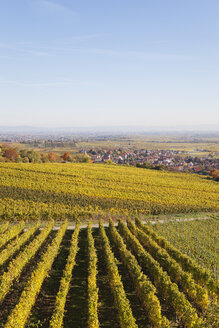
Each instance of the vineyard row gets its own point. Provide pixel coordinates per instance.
(171, 287)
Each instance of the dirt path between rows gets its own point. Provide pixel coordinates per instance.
(96, 225)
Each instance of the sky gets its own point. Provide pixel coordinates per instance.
(109, 63)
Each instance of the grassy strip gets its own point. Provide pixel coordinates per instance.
(58, 314)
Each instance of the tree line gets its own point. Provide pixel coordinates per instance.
(14, 155)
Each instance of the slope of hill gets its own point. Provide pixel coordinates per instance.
(128, 276)
(72, 190)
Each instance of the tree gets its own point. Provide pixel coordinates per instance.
(31, 155)
(44, 158)
(52, 157)
(66, 156)
(86, 159)
(34, 157)
(10, 154)
(18, 159)
(215, 174)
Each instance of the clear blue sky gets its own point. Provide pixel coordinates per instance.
(109, 62)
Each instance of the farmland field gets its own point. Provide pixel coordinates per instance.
(182, 143)
(125, 276)
(57, 191)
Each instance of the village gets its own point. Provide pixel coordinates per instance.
(157, 159)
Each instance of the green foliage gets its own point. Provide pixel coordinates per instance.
(86, 159)
(31, 155)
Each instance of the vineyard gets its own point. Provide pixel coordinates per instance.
(72, 191)
(126, 275)
(188, 236)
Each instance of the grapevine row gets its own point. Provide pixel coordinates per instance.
(58, 314)
(22, 310)
(4, 227)
(161, 280)
(145, 289)
(17, 265)
(115, 189)
(122, 303)
(196, 293)
(11, 233)
(93, 321)
(199, 274)
(16, 244)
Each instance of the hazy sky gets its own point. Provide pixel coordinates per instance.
(109, 62)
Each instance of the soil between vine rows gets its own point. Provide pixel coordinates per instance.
(137, 310)
(6, 264)
(76, 304)
(76, 309)
(44, 305)
(107, 313)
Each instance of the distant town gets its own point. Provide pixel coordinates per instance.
(160, 159)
